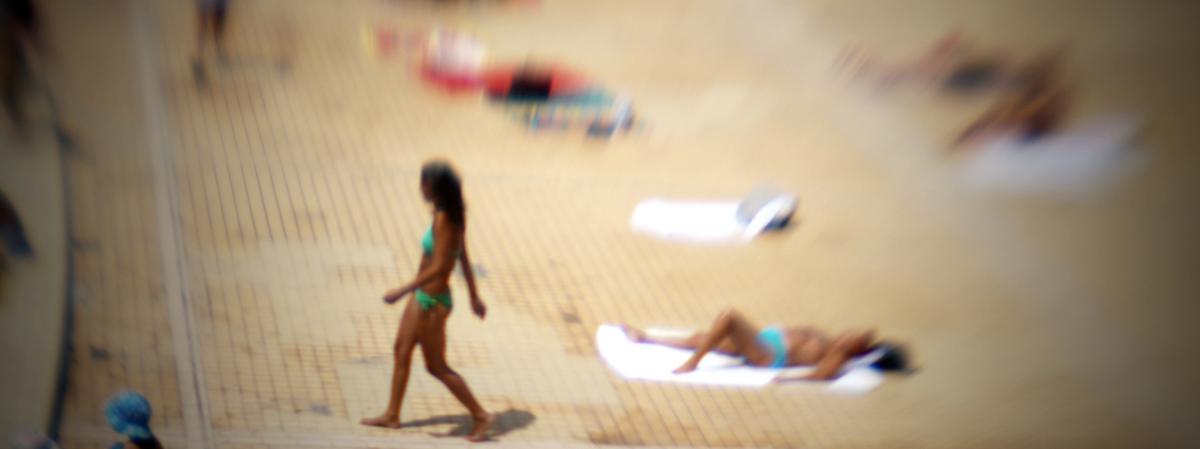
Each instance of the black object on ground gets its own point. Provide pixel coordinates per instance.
(530, 86)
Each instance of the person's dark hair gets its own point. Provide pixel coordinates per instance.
(894, 358)
(24, 13)
(446, 190)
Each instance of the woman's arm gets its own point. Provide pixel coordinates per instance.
(444, 240)
(996, 117)
(469, 273)
(834, 359)
(1050, 102)
(827, 368)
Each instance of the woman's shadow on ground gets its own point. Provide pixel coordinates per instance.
(506, 421)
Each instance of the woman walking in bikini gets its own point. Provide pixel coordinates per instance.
(424, 319)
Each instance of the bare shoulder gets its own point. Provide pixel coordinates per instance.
(805, 331)
(854, 339)
(444, 228)
(441, 222)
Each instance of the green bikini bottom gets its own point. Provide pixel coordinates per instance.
(427, 301)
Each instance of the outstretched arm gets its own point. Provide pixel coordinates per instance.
(827, 368)
(843, 348)
(469, 273)
(994, 116)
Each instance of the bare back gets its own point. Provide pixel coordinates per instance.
(808, 345)
(448, 243)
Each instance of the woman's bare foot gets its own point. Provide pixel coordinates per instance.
(482, 424)
(385, 421)
(687, 367)
(633, 334)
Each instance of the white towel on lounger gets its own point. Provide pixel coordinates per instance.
(1078, 163)
(700, 221)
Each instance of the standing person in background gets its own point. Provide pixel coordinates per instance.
(211, 15)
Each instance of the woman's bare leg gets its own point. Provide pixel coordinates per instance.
(406, 340)
(433, 348)
(732, 325)
(690, 342)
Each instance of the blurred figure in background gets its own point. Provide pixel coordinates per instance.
(1024, 144)
(128, 414)
(1035, 109)
(211, 15)
(12, 235)
(952, 64)
(19, 34)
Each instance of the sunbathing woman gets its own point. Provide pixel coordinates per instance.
(953, 64)
(778, 346)
(1033, 111)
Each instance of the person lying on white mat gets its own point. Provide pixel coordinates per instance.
(778, 346)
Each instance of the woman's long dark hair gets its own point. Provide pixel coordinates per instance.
(446, 190)
(895, 357)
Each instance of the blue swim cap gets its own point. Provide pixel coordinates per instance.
(128, 413)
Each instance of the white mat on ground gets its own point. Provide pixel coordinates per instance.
(700, 221)
(1077, 162)
(655, 362)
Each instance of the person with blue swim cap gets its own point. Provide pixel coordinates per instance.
(128, 413)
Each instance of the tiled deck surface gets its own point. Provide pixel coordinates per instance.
(237, 239)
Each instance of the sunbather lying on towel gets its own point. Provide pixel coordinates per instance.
(778, 346)
(1035, 110)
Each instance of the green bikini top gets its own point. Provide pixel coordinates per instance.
(427, 243)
